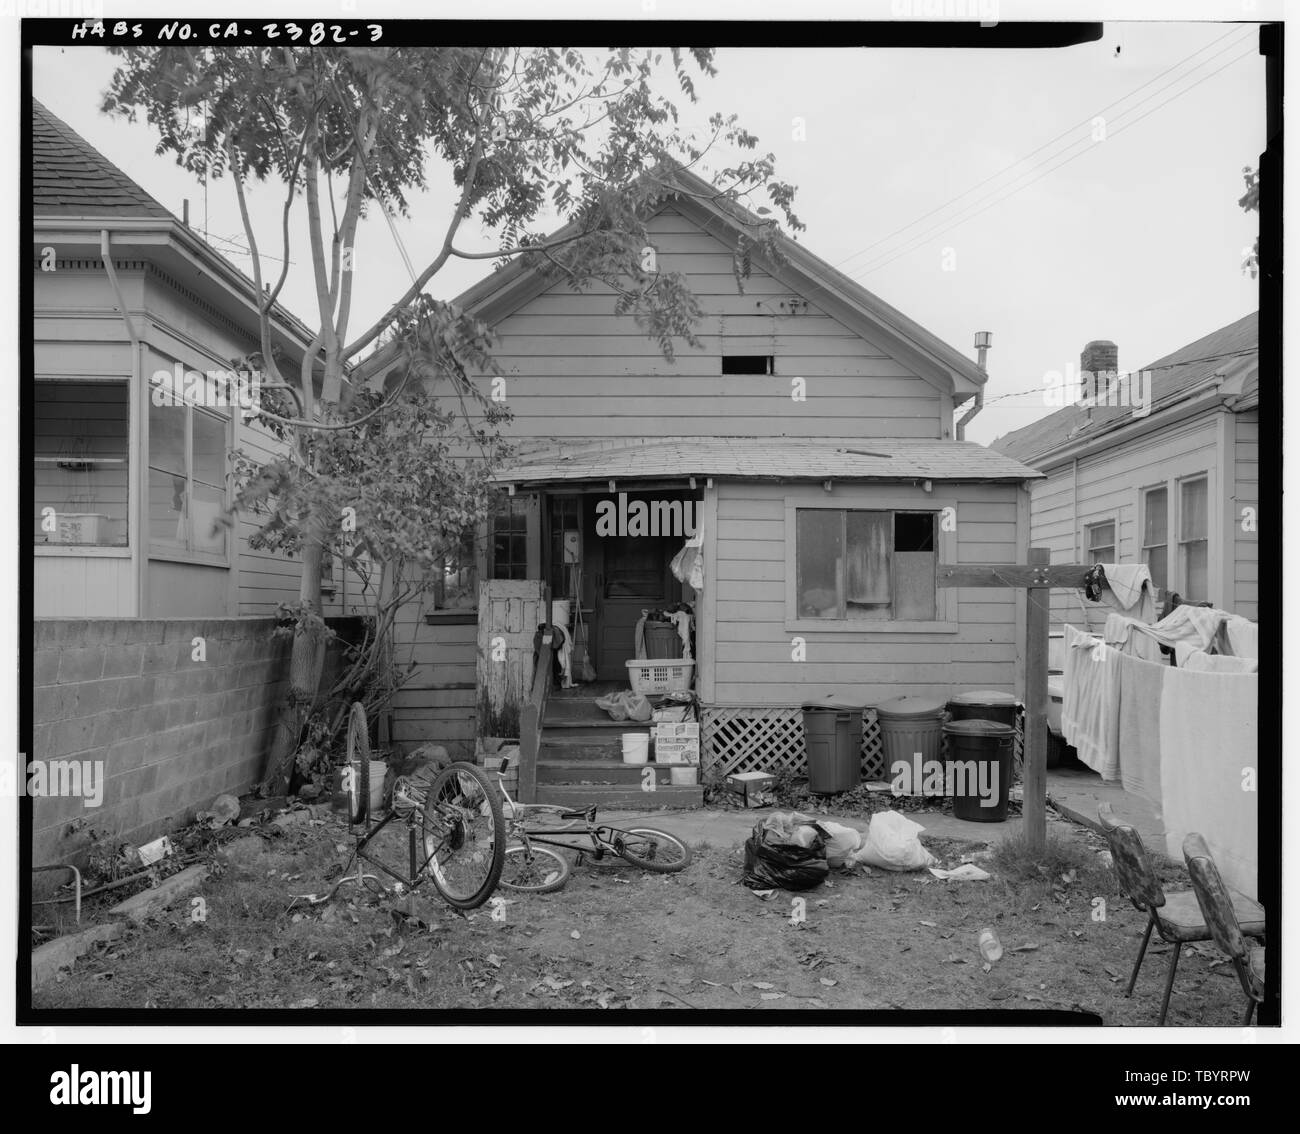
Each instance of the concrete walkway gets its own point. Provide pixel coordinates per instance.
(1077, 793)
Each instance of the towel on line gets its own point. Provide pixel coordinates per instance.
(1090, 707)
(1198, 661)
(1141, 684)
(1129, 585)
(1243, 637)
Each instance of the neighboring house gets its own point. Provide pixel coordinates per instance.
(1175, 487)
(812, 437)
(126, 489)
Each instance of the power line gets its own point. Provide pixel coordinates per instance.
(946, 226)
(1051, 142)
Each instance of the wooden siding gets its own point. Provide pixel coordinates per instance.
(574, 369)
(1245, 544)
(753, 664)
(1110, 486)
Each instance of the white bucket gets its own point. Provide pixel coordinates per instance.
(685, 775)
(378, 770)
(636, 747)
(560, 612)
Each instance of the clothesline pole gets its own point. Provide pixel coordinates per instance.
(1037, 577)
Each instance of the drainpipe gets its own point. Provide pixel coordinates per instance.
(983, 341)
(135, 515)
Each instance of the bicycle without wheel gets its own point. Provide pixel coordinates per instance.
(455, 830)
(534, 865)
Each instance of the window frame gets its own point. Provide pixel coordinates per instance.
(89, 550)
(1088, 526)
(170, 552)
(1144, 494)
(917, 500)
(1182, 542)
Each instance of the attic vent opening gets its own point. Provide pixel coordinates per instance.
(747, 364)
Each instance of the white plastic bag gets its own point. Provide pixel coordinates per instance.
(892, 843)
(842, 841)
(626, 706)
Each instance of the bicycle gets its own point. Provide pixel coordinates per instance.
(533, 866)
(461, 831)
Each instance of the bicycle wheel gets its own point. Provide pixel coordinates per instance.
(653, 850)
(534, 870)
(464, 835)
(357, 770)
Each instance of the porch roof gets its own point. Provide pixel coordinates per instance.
(758, 458)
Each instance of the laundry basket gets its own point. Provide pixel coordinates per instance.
(660, 675)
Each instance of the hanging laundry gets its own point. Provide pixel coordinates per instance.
(684, 621)
(1141, 684)
(1127, 635)
(1243, 637)
(1200, 662)
(1208, 738)
(1129, 588)
(1090, 709)
(1196, 625)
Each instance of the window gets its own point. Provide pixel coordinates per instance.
(82, 443)
(1099, 542)
(510, 540)
(864, 565)
(456, 587)
(1155, 535)
(187, 477)
(748, 364)
(1193, 539)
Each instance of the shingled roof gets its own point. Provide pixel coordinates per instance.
(761, 458)
(1232, 352)
(72, 178)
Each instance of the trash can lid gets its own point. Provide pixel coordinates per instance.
(983, 697)
(904, 708)
(979, 727)
(838, 704)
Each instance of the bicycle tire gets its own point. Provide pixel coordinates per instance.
(650, 861)
(534, 870)
(464, 836)
(357, 769)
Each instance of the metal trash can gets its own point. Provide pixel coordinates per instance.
(662, 640)
(911, 732)
(985, 705)
(833, 736)
(979, 769)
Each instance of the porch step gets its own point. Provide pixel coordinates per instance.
(553, 769)
(623, 798)
(589, 746)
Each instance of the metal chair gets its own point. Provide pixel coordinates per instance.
(1217, 906)
(1176, 917)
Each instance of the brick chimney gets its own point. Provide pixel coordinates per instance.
(1101, 358)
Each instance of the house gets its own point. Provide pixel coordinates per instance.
(812, 439)
(1160, 467)
(136, 401)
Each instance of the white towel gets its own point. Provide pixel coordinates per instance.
(1243, 637)
(1200, 662)
(1090, 709)
(1141, 684)
(1208, 736)
(1130, 636)
(1129, 585)
(682, 620)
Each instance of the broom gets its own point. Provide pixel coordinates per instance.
(586, 672)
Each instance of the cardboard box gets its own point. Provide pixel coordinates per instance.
(752, 786)
(680, 753)
(678, 732)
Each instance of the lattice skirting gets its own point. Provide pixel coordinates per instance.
(747, 738)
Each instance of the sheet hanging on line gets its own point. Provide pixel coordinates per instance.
(1141, 686)
(1200, 661)
(1090, 707)
(1208, 737)
(1243, 637)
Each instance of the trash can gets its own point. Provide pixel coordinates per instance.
(979, 769)
(833, 735)
(662, 640)
(911, 732)
(983, 704)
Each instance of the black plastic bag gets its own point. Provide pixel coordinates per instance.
(784, 866)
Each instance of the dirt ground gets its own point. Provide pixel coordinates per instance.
(617, 937)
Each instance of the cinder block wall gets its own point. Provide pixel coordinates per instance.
(173, 731)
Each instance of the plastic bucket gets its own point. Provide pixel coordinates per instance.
(662, 640)
(979, 769)
(636, 747)
(378, 770)
(685, 775)
(911, 733)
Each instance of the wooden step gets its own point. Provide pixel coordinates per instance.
(581, 748)
(556, 769)
(614, 797)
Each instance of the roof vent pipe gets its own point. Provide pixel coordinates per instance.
(983, 341)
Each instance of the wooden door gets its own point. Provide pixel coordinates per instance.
(634, 577)
(509, 612)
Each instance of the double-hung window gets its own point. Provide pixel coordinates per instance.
(1099, 542)
(1193, 539)
(1155, 535)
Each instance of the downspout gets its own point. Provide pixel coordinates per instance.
(135, 513)
(983, 341)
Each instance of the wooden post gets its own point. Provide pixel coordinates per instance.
(1037, 623)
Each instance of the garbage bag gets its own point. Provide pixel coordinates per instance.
(626, 706)
(841, 841)
(892, 843)
(785, 855)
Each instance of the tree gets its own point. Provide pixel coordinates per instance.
(1249, 201)
(527, 134)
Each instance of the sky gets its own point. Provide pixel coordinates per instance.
(1050, 197)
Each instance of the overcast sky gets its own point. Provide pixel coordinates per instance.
(1136, 238)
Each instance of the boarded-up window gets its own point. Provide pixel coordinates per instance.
(81, 441)
(1193, 539)
(864, 565)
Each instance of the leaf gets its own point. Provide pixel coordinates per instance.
(772, 995)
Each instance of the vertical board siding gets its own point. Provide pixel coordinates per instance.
(754, 664)
(572, 368)
(1246, 493)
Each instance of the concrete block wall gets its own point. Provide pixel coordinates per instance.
(172, 732)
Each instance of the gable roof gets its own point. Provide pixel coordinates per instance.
(1227, 359)
(506, 289)
(759, 458)
(72, 178)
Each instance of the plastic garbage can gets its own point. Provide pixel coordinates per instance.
(911, 732)
(979, 769)
(662, 640)
(833, 735)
